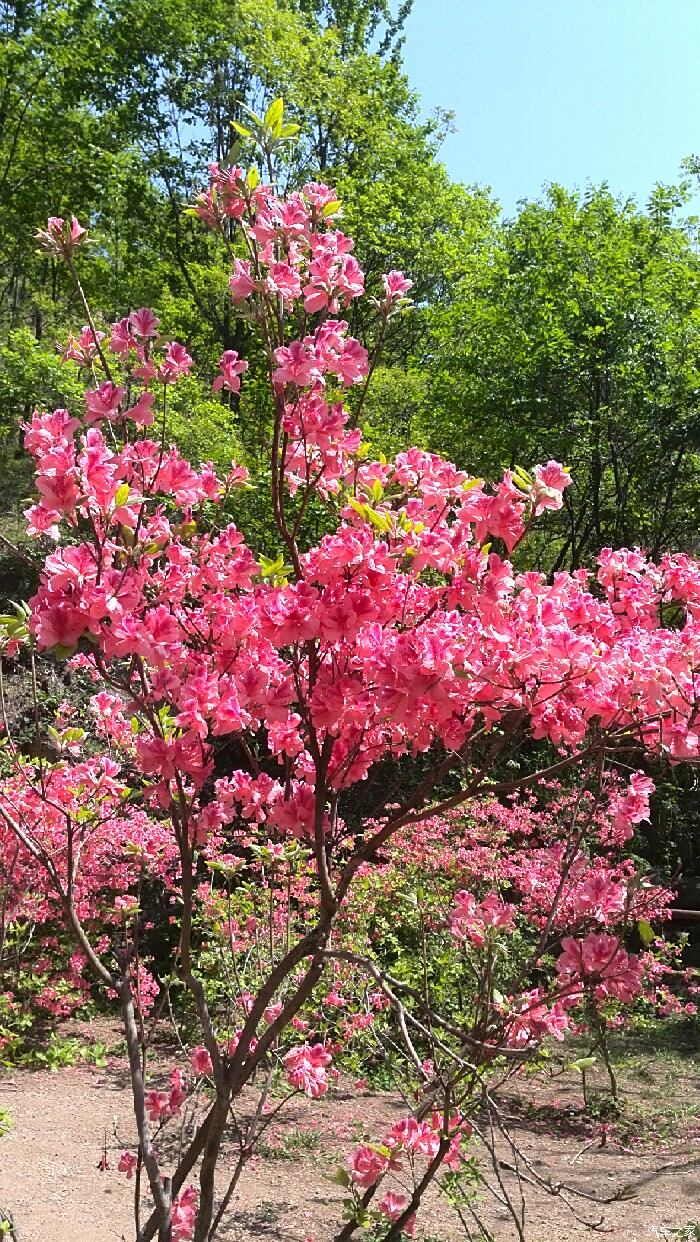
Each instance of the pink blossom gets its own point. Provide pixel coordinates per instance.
(142, 412)
(601, 962)
(629, 808)
(60, 624)
(393, 1205)
(84, 348)
(296, 364)
(103, 402)
(157, 1105)
(272, 1012)
(146, 370)
(549, 484)
(231, 370)
(396, 286)
(241, 282)
(471, 920)
(200, 1060)
(413, 1135)
(531, 1018)
(352, 364)
(367, 1166)
(230, 187)
(285, 280)
(183, 1215)
(177, 362)
(144, 323)
(127, 1164)
(306, 1069)
(61, 237)
(121, 339)
(335, 277)
(320, 197)
(178, 1091)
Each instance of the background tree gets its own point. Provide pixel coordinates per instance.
(578, 329)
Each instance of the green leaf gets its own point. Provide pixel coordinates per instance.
(646, 932)
(122, 495)
(341, 1177)
(582, 1064)
(268, 567)
(273, 117)
(379, 520)
(242, 129)
(64, 653)
(257, 120)
(521, 479)
(381, 1150)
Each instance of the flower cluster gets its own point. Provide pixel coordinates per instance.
(62, 237)
(472, 920)
(183, 1214)
(427, 1140)
(306, 1069)
(162, 1105)
(601, 963)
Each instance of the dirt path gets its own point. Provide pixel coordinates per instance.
(50, 1181)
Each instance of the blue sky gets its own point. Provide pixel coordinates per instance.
(560, 90)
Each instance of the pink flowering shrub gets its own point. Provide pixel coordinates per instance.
(536, 888)
(249, 703)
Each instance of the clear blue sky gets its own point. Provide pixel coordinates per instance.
(560, 90)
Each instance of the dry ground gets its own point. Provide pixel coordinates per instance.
(50, 1181)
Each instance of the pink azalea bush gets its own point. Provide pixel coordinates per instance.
(402, 639)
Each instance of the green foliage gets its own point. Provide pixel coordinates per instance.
(31, 376)
(27, 1039)
(204, 428)
(61, 1051)
(395, 414)
(575, 335)
(293, 1145)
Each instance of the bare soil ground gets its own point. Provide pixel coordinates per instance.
(50, 1180)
